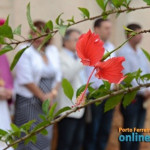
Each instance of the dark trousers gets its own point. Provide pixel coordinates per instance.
(70, 134)
(97, 132)
(134, 116)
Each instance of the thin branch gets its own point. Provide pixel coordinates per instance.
(122, 91)
(109, 12)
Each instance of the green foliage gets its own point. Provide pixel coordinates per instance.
(103, 90)
(71, 20)
(30, 22)
(67, 87)
(130, 76)
(146, 54)
(85, 12)
(112, 102)
(81, 89)
(128, 98)
(17, 31)
(62, 29)
(6, 49)
(147, 2)
(27, 126)
(46, 39)
(52, 109)
(107, 85)
(17, 57)
(102, 4)
(2, 41)
(145, 77)
(127, 29)
(30, 139)
(49, 25)
(117, 3)
(45, 106)
(6, 31)
(58, 20)
(62, 110)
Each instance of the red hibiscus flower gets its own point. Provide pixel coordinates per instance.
(110, 70)
(90, 50)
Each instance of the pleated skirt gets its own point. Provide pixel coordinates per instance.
(27, 109)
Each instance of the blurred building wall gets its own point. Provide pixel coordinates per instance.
(50, 9)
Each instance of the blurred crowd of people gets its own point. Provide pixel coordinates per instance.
(38, 76)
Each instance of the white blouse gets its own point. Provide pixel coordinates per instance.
(31, 68)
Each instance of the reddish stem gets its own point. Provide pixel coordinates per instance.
(82, 96)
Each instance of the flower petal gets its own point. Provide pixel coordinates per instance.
(90, 48)
(111, 70)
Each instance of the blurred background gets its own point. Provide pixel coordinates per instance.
(50, 9)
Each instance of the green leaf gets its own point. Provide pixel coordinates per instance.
(107, 85)
(101, 91)
(146, 54)
(52, 109)
(3, 132)
(27, 125)
(6, 49)
(131, 76)
(128, 98)
(45, 106)
(117, 3)
(43, 117)
(46, 39)
(14, 127)
(145, 77)
(58, 19)
(30, 22)
(2, 40)
(85, 12)
(44, 132)
(49, 25)
(81, 89)
(67, 87)
(6, 31)
(71, 20)
(102, 4)
(17, 57)
(127, 29)
(64, 109)
(62, 29)
(7, 21)
(17, 31)
(147, 2)
(31, 139)
(112, 102)
(40, 125)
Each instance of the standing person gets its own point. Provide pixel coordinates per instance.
(37, 79)
(98, 130)
(6, 86)
(134, 114)
(71, 129)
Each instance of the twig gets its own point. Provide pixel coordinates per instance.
(109, 12)
(122, 91)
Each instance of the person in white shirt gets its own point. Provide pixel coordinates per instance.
(71, 129)
(134, 114)
(37, 79)
(98, 130)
